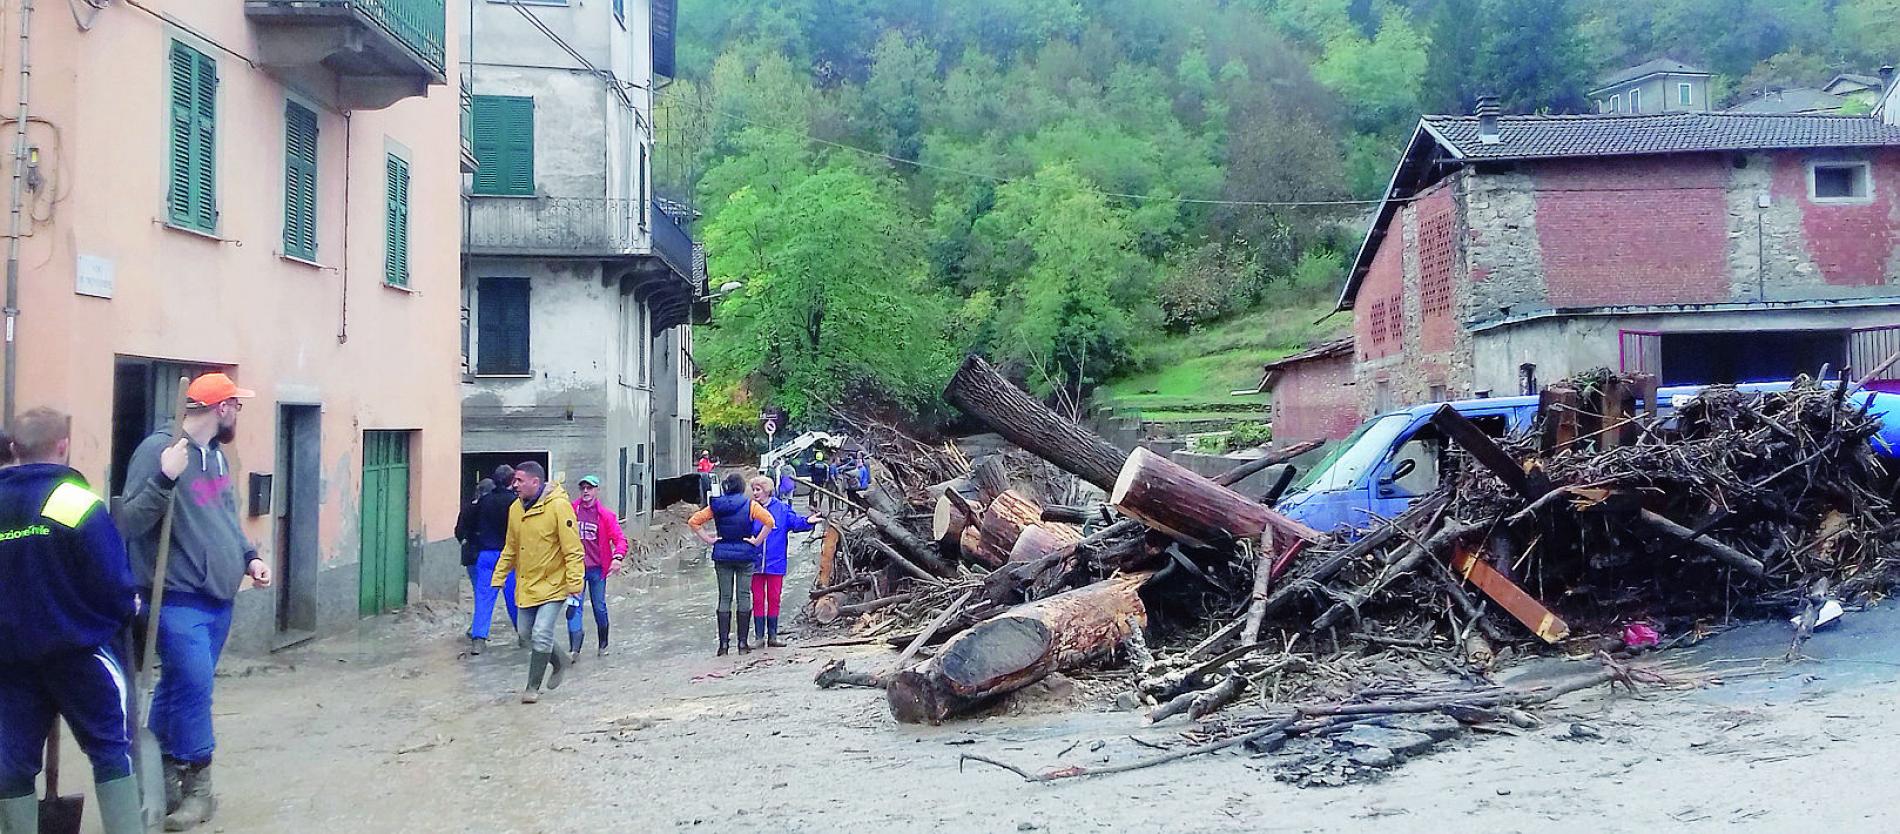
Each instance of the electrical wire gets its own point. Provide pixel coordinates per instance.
(195, 33)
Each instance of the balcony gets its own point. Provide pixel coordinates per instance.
(558, 227)
(378, 51)
(468, 131)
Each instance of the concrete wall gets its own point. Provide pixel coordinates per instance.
(371, 356)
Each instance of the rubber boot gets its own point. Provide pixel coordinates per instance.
(771, 633)
(20, 815)
(198, 805)
(119, 806)
(724, 618)
(758, 627)
(602, 631)
(537, 669)
(558, 671)
(743, 615)
(574, 640)
(174, 771)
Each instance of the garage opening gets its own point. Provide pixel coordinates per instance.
(1749, 356)
(479, 465)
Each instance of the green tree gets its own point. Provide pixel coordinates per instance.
(1382, 76)
(1533, 56)
(835, 304)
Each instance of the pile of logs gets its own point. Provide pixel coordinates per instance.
(1610, 513)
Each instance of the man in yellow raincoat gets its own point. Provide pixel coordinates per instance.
(543, 548)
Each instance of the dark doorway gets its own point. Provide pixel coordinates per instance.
(1749, 356)
(479, 465)
(144, 399)
(299, 463)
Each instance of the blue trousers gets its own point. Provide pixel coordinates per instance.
(597, 596)
(191, 632)
(89, 688)
(480, 575)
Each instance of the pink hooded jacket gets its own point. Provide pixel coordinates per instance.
(601, 535)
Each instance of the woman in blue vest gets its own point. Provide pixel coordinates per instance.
(734, 549)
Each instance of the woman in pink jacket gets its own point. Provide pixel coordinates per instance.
(606, 546)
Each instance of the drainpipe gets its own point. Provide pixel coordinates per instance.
(15, 220)
(343, 304)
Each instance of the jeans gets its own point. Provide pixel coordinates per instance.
(541, 623)
(191, 632)
(735, 585)
(89, 688)
(480, 575)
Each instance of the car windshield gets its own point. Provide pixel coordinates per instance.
(1366, 446)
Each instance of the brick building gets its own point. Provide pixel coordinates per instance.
(1702, 247)
(1312, 393)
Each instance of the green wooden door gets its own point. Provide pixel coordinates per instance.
(384, 577)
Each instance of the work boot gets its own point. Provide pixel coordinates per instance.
(119, 807)
(174, 772)
(20, 814)
(476, 645)
(198, 805)
(771, 633)
(559, 670)
(724, 619)
(741, 617)
(602, 652)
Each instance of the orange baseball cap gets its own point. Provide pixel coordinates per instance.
(211, 389)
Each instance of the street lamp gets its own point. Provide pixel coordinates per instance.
(725, 289)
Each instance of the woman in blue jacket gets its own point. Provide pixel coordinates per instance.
(768, 575)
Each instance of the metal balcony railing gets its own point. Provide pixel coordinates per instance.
(558, 226)
(420, 24)
(672, 243)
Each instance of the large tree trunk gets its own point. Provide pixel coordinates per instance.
(1017, 648)
(1039, 540)
(978, 390)
(1173, 499)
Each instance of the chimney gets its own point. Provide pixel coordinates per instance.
(1488, 120)
(1886, 78)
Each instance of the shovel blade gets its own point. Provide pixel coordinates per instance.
(149, 764)
(60, 814)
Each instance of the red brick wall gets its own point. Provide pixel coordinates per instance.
(1437, 262)
(1315, 400)
(1378, 311)
(1646, 230)
(1850, 243)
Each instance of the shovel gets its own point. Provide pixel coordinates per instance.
(58, 814)
(149, 761)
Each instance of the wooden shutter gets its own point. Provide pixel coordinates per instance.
(501, 341)
(1641, 352)
(504, 145)
(396, 224)
(300, 181)
(192, 192)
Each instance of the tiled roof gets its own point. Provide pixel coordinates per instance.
(1791, 100)
(1852, 79)
(1548, 137)
(1648, 68)
(1330, 348)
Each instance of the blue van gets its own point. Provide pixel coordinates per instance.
(1393, 459)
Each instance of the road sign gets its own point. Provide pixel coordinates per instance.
(771, 427)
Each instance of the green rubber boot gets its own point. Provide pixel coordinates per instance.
(20, 815)
(119, 806)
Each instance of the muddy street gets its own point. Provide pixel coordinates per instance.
(393, 728)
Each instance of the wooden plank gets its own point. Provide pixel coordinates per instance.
(1467, 562)
(1473, 439)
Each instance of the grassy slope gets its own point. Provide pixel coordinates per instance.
(1188, 376)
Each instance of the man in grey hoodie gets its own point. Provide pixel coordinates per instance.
(210, 557)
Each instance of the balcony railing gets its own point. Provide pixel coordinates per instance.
(381, 51)
(420, 24)
(672, 244)
(468, 130)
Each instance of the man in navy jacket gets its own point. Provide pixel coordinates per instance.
(66, 594)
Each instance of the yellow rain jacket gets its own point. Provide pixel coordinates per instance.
(544, 550)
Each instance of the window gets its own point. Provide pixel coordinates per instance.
(504, 145)
(396, 224)
(300, 181)
(1840, 182)
(501, 318)
(192, 198)
(1636, 101)
(1435, 261)
(1616, 104)
(1685, 95)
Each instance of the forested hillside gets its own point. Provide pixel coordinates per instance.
(1057, 183)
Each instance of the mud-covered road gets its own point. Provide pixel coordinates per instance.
(395, 729)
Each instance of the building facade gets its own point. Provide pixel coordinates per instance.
(575, 284)
(1663, 85)
(256, 187)
(1701, 248)
(1313, 396)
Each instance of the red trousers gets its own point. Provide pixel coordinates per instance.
(766, 589)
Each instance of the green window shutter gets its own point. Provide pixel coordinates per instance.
(504, 145)
(300, 181)
(396, 225)
(191, 198)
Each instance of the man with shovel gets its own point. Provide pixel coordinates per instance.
(65, 596)
(208, 559)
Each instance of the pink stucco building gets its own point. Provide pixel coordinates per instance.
(272, 189)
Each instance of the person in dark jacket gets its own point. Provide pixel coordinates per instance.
(490, 532)
(734, 549)
(65, 596)
(210, 557)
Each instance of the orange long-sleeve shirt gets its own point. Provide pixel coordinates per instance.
(759, 515)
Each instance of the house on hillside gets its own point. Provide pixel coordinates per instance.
(577, 283)
(1847, 93)
(1700, 247)
(1664, 85)
(1312, 393)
